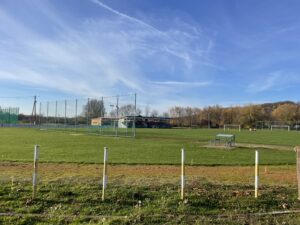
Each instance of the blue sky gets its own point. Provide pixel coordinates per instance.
(187, 53)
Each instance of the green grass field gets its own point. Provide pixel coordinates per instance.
(151, 146)
(68, 202)
(70, 193)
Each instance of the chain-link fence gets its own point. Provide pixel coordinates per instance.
(114, 115)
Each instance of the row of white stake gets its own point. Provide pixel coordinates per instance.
(104, 182)
(256, 183)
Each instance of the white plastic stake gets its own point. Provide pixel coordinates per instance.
(182, 173)
(297, 149)
(104, 182)
(35, 170)
(256, 173)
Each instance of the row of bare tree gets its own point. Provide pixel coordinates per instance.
(247, 116)
(212, 116)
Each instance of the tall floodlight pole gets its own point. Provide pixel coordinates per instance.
(55, 112)
(35, 109)
(47, 113)
(88, 112)
(9, 114)
(40, 114)
(102, 114)
(117, 107)
(117, 125)
(33, 114)
(76, 103)
(134, 115)
(65, 113)
(102, 107)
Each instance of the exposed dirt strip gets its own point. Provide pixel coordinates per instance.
(269, 175)
(277, 147)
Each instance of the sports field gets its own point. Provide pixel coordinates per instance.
(151, 146)
(144, 175)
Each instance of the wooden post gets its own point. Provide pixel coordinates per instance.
(182, 173)
(256, 173)
(35, 171)
(297, 149)
(104, 183)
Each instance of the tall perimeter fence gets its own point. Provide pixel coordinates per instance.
(9, 115)
(113, 115)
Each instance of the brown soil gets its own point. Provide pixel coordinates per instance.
(269, 175)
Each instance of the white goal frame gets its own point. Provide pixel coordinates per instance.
(232, 126)
(280, 126)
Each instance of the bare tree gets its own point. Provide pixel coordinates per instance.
(165, 114)
(129, 110)
(147, 110)
(154, 113)
(94, 108)
(178, 113)
(287, 112)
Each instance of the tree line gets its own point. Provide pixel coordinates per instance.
(247, 116)
(211, 116)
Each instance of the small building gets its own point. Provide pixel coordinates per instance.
(96, 121)
(152, 122)
(127, 122)
(103, 121)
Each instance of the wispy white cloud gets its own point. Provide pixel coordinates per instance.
(264, 84)
(102, 56)
(183, 83)
(133, 19)
(178, 40)
(274, 81)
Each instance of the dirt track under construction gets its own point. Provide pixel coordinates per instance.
(269, 175)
